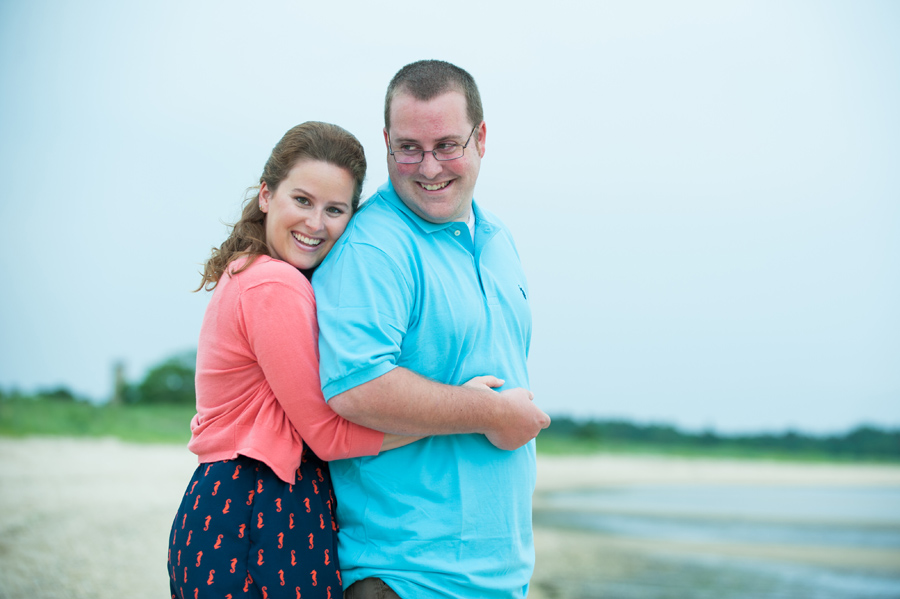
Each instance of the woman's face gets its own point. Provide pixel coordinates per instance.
(307, 213)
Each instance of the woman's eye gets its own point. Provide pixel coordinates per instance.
(335, 211)
(303, 200)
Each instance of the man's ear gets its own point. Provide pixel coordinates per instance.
(481, 136)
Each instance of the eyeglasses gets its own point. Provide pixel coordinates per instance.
(444, 151)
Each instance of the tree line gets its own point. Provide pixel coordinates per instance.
(169, 382)
(172, 382)
(862, 442)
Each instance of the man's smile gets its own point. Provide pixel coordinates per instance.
(434, 186)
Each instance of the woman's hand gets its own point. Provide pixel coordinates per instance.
(484, 383)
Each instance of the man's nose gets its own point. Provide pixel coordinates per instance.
(430, 167)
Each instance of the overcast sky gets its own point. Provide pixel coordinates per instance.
(705, 195)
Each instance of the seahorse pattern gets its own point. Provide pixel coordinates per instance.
(243, 532)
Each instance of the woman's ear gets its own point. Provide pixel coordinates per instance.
(264, 196)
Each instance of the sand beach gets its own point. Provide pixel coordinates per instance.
(90, 519)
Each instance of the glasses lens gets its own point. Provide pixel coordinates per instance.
(448, 152)
(408, 157)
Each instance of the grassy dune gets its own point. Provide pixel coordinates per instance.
(159, 423)
(169, 423)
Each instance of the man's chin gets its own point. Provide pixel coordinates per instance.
(442, 216)
(440, 211)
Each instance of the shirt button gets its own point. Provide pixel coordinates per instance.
(456, 232)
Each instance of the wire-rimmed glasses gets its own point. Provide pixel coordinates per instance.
(412, 154)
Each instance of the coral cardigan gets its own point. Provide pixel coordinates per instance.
(258, 392)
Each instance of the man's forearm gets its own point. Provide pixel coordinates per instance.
(404, 403)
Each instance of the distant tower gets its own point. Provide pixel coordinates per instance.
(118, 397)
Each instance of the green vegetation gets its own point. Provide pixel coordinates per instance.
(866, 443)
(170, 382)
(160, 407)
(58, 413)
(41, 415)
(47, 416)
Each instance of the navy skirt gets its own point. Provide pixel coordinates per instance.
(242, 532)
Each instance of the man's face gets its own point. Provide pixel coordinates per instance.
(437, 191)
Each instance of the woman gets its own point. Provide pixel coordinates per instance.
(258, 514)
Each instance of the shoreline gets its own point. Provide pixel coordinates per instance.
(574, 562)
(585, 472)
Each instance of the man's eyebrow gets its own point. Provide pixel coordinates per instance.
(452, 137)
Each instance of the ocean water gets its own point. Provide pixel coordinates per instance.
(847, 516)
(842, 519)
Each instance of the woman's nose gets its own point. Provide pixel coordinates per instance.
(314, 220)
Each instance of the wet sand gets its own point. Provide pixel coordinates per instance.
(90, 519)
(579, 563)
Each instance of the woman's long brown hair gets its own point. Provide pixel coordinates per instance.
(310, 141)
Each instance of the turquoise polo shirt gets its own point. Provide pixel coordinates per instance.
(447, 516)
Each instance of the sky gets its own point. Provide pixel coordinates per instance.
(705, 195)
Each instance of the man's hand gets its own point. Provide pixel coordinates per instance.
(405, 403)
(519, 420)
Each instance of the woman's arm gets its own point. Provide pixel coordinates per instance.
(280, 324)
(392, 441)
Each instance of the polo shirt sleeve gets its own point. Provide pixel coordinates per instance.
(280, 321)
(364, 300)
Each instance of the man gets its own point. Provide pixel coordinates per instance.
(424, 292)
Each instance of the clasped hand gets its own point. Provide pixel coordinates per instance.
(516, 421)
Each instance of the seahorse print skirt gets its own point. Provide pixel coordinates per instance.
(243, 532)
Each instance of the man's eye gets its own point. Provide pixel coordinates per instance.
(447, 147)
(410, 149)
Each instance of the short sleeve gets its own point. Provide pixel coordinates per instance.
(364, 302)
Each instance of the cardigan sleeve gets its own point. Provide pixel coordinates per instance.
(280, 320)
